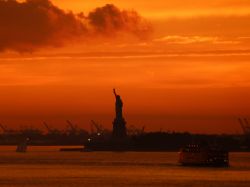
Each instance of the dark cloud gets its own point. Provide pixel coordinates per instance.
(33, 24)
(109, 19)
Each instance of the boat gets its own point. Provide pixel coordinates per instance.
(73, 149)
(22, 146)
(200, 155)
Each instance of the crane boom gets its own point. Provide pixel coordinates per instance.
(73, 128)
(247, 126)
(98, 127)
(47, 127)
(246, 121)
(2, 127)
(242, 125)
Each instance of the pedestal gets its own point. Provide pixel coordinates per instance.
(119, 128)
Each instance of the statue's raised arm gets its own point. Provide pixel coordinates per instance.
(114, 92)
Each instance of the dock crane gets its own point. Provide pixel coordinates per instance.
(245, 126)
(47, 127)
(73, 128)
(98, 132)
(8, 131)
(3, 128)
(98, 128)
(50, 130)
(246, 129)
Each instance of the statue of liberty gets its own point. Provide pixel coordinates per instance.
(118, 105)
(119, 124)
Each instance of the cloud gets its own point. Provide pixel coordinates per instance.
(33, 24)
(176, 39)
(108, 19)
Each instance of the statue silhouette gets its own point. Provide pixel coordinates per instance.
(118, 106)
(119, 124)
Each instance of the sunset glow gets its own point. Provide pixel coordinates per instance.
(179, 66)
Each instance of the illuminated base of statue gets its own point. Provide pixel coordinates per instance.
(119, 128)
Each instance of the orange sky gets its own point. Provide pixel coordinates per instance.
(190, 73)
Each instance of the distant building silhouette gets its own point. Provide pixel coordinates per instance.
(119, 123)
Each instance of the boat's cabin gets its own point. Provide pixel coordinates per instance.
(194, 148)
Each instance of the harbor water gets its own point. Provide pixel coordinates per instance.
(46, 166)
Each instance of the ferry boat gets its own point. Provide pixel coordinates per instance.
(197, 155)
(22, 146)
